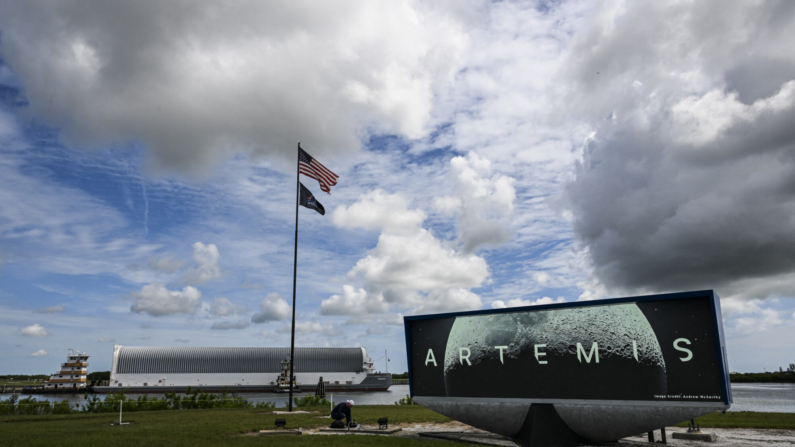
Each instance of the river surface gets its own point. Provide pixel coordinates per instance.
(760, 397)
(764, 397)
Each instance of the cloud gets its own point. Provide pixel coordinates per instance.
(377, 329)
(156, 300)
(447, 300)
(51, 310)
(182, 340)
(353, 302)
(377, 210)
(414, 271)
(484, 203)
(392, 319)
(519, 302)
(272, 308)
(541, 278)
(401, 265)
(34, 330)
(226, 325)
(308, 327)
(166, 264)
(107, 340)
(750, 315)
(39, 353)
(206, 258)
(146, 326)
(194, 93)
(222, 307)
(408, 269)
(688, 182)
(763, 321)
(78, 231)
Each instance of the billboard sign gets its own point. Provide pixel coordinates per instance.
(650, 350)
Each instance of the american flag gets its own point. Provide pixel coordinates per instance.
(313, 169)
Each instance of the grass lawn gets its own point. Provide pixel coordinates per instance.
(227, 427)
(199, 428)
(746, 419)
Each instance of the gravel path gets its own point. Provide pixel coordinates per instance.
(727, 437)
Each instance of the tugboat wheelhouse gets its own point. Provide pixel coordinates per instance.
(72, 374)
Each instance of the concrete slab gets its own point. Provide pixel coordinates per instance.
(354, 431)
(491, 439)
(705, 437)
(279, 432)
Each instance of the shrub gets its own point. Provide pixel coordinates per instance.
(311, 401)
(406, 401)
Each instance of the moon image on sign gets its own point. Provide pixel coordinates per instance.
(596, 352)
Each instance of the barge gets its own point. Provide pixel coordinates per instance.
(155, 370)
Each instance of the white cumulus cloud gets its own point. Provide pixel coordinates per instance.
(272, 308)
(156, 300)
(409, 268)
(39, 353)
(34, 330)
(207, 268)
(378, 210)
(484, 202)
(447, 300)
(353, 302)
(401, 265)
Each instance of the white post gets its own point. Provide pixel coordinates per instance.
(386, 361)
(120, 405)
(332, 402)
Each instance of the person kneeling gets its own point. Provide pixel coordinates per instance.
(342, 410)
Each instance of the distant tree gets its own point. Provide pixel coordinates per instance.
(98, 375)
(791, 368)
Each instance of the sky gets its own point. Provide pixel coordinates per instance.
(490, 155)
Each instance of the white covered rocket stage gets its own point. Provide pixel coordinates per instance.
(174, 369)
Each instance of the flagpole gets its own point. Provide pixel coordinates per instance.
(295, 269)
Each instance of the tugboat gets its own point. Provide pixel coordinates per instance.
(283, 380)
(71, 379)
(72, 375)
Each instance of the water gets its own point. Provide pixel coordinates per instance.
(760, 397)
(764, 397)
